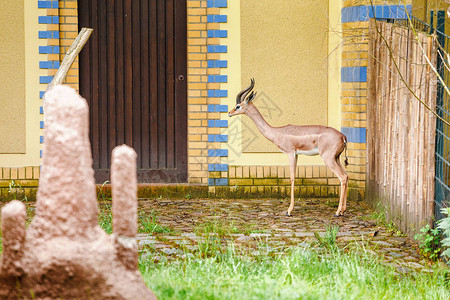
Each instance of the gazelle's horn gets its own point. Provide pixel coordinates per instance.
(242, 94)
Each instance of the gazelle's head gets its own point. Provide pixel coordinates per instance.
(241, 101)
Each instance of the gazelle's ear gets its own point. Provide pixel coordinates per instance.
(251, 97)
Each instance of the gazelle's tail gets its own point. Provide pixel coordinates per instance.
(346, 158)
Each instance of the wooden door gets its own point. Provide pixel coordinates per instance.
(133, 75)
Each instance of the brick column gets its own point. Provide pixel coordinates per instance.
(197, 92)
(217, 165)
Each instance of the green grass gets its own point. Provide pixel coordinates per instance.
(295, 273)
(149, 224)
(224, 228)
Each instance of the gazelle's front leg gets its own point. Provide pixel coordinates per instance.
(293, 164)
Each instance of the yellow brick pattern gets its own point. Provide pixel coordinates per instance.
(274, 181)
(68, 20)
(197, 92)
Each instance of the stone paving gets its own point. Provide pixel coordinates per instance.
(249, 223)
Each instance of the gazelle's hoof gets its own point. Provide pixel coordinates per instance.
(337, 216)
(288, 215)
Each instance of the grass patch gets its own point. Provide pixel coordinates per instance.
(295, 273)
(224, 228)
(105, 217)
(149, 224)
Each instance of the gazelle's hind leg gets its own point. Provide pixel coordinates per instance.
(335, 166)
(293, 164)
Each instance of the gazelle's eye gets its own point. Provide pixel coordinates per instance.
(238, 107)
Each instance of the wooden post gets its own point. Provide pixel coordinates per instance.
(70, 56)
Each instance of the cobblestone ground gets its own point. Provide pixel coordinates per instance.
(249, 223)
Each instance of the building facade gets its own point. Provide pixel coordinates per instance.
(309, 60)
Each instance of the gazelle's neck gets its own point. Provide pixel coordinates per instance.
(263, 126)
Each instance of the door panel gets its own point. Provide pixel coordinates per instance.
(129, 74)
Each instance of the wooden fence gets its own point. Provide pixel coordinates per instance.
(400, 130)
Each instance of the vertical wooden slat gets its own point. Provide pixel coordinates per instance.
(111, 62)
(120, 72)
(170, 85)
(162, 64)
(128, 68)
(154, 85)
(103, 79)
(136, 78)
(145, 78)
(94, 89)
(180, 15)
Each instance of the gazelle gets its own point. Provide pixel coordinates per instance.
(294, 139)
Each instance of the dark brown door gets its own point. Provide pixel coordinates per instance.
(133, 75)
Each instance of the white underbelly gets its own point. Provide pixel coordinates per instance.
(314, 151)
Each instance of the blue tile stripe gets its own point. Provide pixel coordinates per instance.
(217, 49)
(217, 63)
(48, 20)
(218, 123)
(221, 181)
(217, 93)
(217, 33)
(217, 18)
(217, 138)
(217, 108)
(47, 64)
(364, 12)
(216, 3)
(354, 134)
(47, 4)
(217, 152)
(45, 79)
(48, 49)
(218, 78)
(49, 34)
(218, 167)
(52, 64)
(218, 181)
(354, 74)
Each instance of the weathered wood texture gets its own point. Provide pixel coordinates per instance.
(400, 130)
(132, 75)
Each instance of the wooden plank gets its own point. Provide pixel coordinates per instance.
(154, 86)
(170, 85)
(95, 134)
(181, 112)
(103, 79)
(128, 66)
(136, 79)
(112, 138)
(162, 139)
(145, 95)
(120, 73)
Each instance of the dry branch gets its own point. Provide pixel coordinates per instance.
(70, 56)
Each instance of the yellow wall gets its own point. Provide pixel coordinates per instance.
(284, 47)
(235, 69)
(12, 77)
(30, 15)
